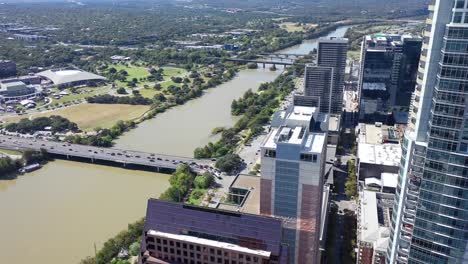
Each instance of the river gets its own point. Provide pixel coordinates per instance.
(182, 129)
(56, 214)
(308, 45)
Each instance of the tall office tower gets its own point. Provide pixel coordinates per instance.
(319, 86)
(293, 164)
(332, 52)
(430, 217)
(389, 65)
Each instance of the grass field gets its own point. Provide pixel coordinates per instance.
(83, 93)
(294, 27)
(90, 116)
(142, 72)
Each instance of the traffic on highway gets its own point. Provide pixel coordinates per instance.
(107, 154)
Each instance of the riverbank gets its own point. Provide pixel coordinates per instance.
(103, 200)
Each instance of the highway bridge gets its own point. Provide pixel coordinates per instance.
(107, 156)
(284, 55)
(284, 62)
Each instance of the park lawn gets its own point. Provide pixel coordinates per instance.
(142, 72)
(293, 27)
(83, 93)
(173, 72)
(133, 71)
(150, 92)
(90, 116)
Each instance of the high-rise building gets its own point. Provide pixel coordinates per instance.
(324, 83)
(319, 86)
(430, 216)
(332, 52)
(7, 68)
(293, 165)
(176, 233)
(389, 64)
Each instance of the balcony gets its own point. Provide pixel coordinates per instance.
(402, 259)
(406, 237)
(403, 251)
(410, 212)
(431, 8)
(408, 228)
(408, 219)
(411, 202)
(412, 193)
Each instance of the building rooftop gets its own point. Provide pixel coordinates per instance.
(294, 127)
(208, 242)
(383, 154)
(177, 218)
(387, 42)
(12, 85)
(69, 75)
(251, 202)
(333, 40)
(374, 86)
(378, 134)
(374, 218)
(389, 179)
(311, 142)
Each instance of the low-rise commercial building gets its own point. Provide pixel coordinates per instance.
(379, 153)
(374, 217)
(69, 77)
(17, 90)
(118, 58)
(30, 79)
(29, 38)
(179, 233)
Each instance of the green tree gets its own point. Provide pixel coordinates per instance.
(351, 181)
(204, 181)
(229, 163)
(121, 90)
(134, 249)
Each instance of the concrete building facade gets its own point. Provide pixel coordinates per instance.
(293, 165)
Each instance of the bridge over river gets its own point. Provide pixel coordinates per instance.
(107, 156)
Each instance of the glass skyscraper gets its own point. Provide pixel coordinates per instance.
(430, 216)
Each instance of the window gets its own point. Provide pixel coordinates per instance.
(309, 157)
(460, 4)
(457, 17)
(270, 153)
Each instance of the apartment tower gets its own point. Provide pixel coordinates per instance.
(430, 216)
(324, 82)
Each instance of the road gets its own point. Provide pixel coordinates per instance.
(343, 204)
(104, 154)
